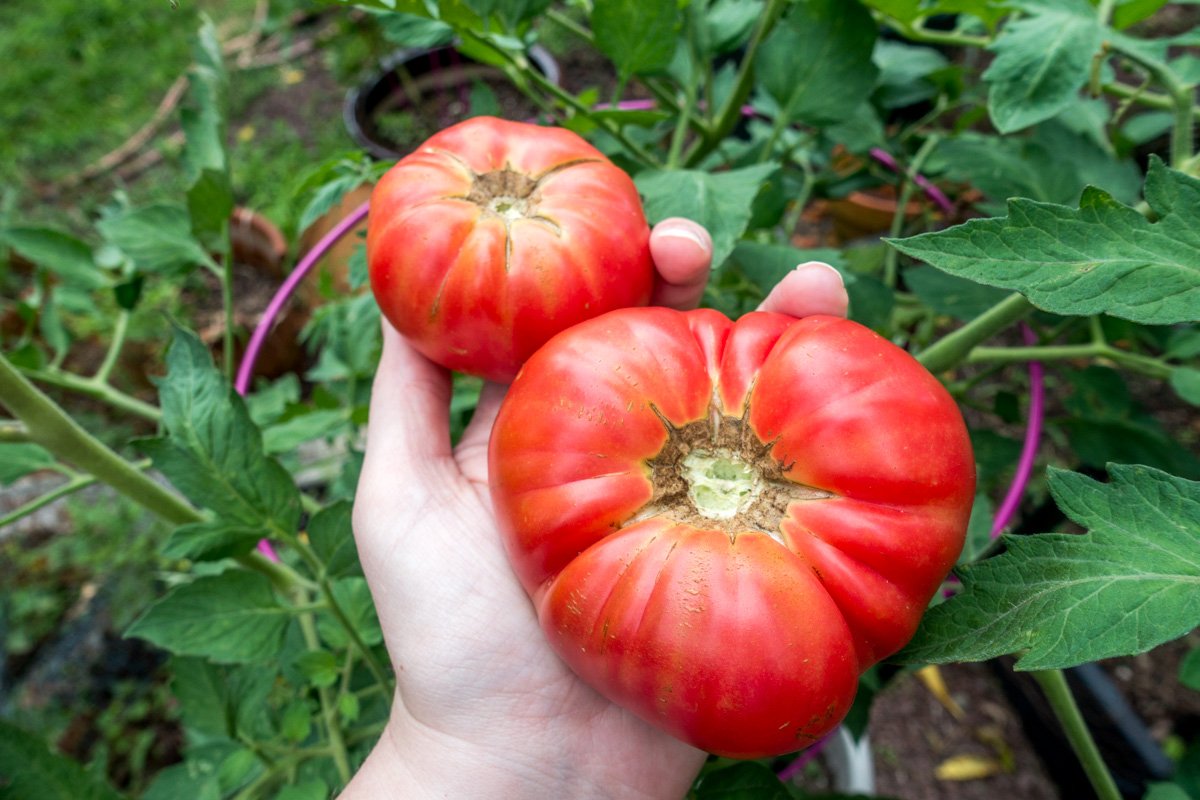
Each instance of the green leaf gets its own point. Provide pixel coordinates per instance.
(211, 540)
(728, 23)
(332, 539)
(231, 618)
(765, 265)
(1189, 669)
(29, 770)
(314, 424)
(1042, 61)
(296, 721)
(748, 780)
(326, 197)
(212, 451)
(1127, 585)
(950, 295)
(638, 36)
(1102, 258)
(354, 597)
(979, 530)
(18, 459)
(834, 75)
(61, 253)
(722, 202)
(410, 30)
(202, 117)
(319, 666)
(223, 701)
(903, 71)
(1131, 12)
(308, 790)
(1186, 383)
(157, 238)
(191, 779)
(1166, 791)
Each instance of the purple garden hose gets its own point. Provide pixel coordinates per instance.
(1003, 516)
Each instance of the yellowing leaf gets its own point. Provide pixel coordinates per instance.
(967, 768)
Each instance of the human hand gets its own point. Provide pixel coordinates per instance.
(483, 707)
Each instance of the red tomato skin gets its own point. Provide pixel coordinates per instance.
(744, 645)
(479, 293)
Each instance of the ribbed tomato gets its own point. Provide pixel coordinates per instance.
(493, 236)
(721, 525)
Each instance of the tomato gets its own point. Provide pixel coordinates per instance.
(493, 236)
(721, 525)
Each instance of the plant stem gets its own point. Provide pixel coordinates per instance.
(953, 349)
(1054, 684)
(70, 487)
(308, 628)
(1149, 99)
(1138, 363)
(917, 32)
(891, 255)
(335, 608)
(1182, 101)
(729, 115)
(114, 348)
(49, 426)
(92, 388)
(1105, 11)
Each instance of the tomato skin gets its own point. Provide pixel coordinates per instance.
(478, 286)
(741, 641)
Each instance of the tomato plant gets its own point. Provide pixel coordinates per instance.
(493, 236)
(722, 524)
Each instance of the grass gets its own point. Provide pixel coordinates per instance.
(81, 78)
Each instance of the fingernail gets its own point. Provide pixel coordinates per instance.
(829, 267)
(684, 233)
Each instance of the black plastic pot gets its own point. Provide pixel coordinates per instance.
(436, 75)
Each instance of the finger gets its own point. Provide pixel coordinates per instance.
(682, 252)
(410, 411)
(811, 288)
(472, 448)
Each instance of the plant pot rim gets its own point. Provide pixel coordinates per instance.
(361, 99)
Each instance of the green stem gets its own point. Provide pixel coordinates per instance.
(335, 608)
(917, 32)
(1148, 99)
(227, 302)
(731, 112)
(1137, 363)
(1105, 11)
(337, 744)
(1182, 102)
(114, 348)
(70, 487)
(954, 348)
(681, 124)
(92, 388)
(1054, 684)
(49, 426)
(892, 255)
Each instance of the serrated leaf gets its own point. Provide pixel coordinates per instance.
(638, 36)
(1042, 61)
(1104, 257)
(410, 30)
(836, 39)
(18, 459)
(1127, 585)
(157, 238)
(212, 451)
(231, 618)
(29, 770)
(332, 539)
(721, 201)
(61, 253)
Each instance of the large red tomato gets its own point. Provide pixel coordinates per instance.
(493, 236)
(721, 525)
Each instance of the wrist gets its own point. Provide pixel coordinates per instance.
(414, 762)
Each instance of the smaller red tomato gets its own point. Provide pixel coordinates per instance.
(493, 236)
